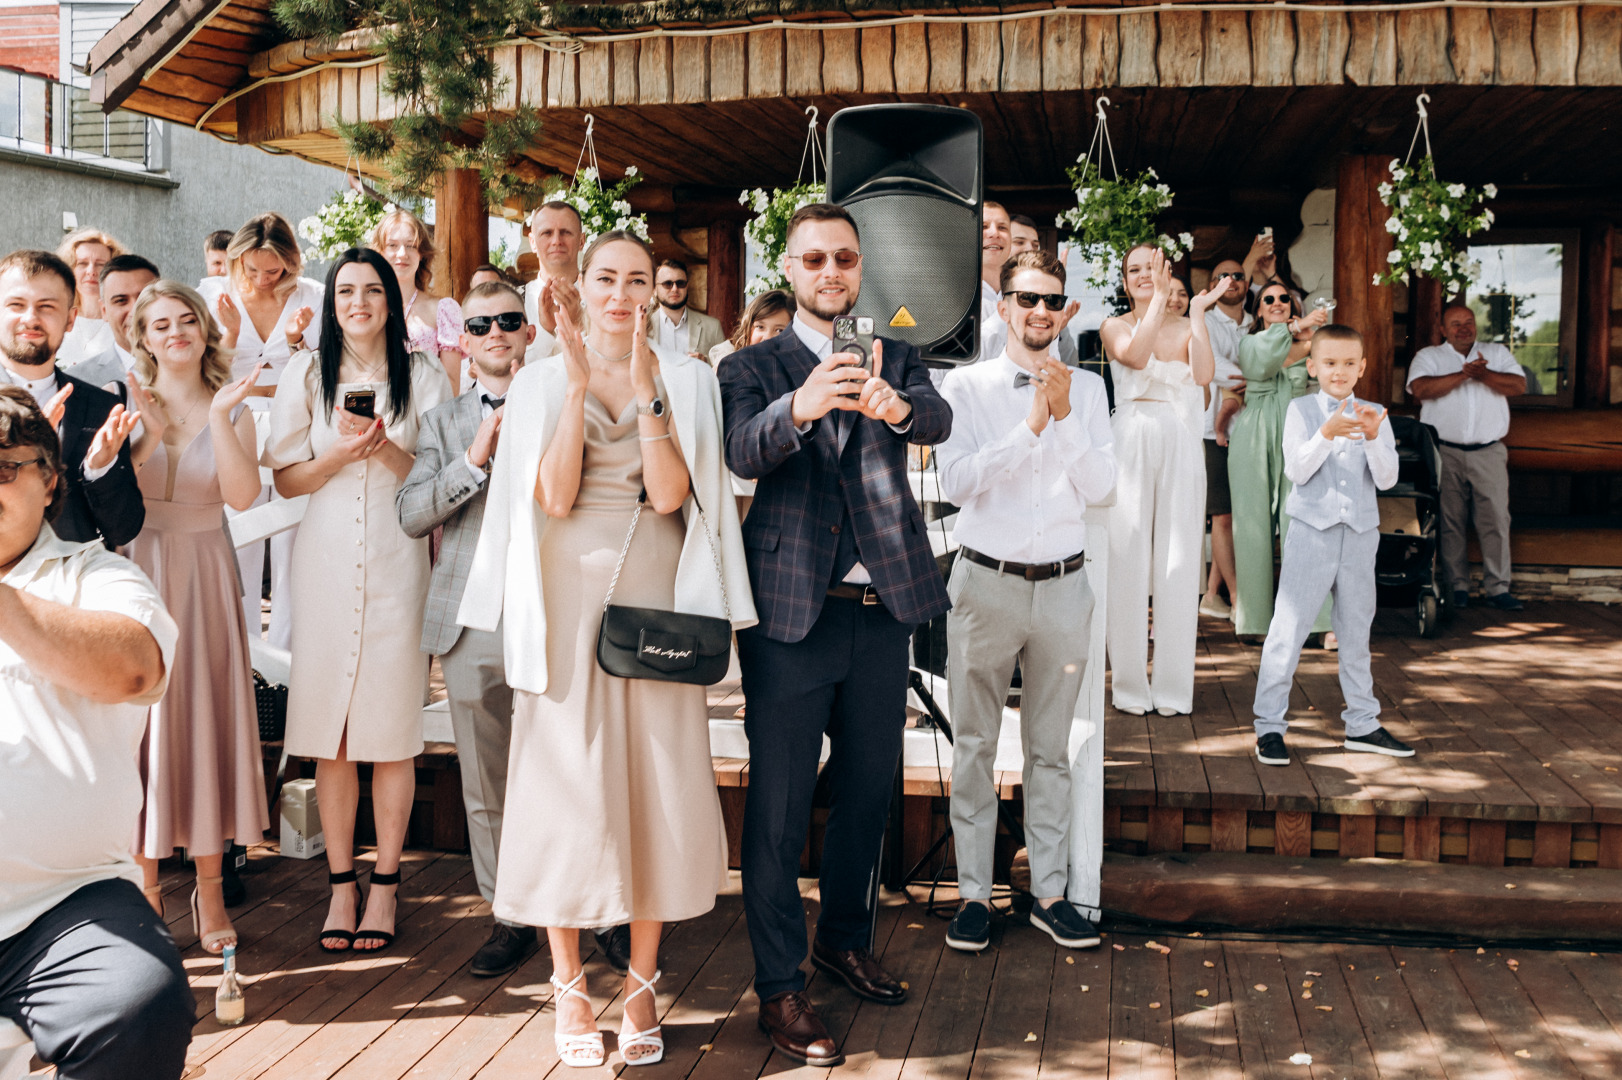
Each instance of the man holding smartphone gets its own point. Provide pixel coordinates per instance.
(842, 571)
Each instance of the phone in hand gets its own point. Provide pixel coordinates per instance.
(854, 334)
(361, 402)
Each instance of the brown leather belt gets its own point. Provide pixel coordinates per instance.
(1028, 571)
(865, 593)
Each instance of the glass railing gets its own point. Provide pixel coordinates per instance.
(44, 116)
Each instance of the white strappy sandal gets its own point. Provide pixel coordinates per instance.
(651, 1039)
(577, 1051)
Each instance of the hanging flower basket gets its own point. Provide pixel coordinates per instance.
(1432, 223)
(1112, 216)
(769, 229)
(601, 208)
(346, 220)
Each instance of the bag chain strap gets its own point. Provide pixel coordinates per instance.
(715, 554)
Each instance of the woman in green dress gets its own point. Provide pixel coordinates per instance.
(1270, 357)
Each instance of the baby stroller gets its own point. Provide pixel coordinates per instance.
(1407, 569)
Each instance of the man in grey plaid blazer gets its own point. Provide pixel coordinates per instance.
(447, 487)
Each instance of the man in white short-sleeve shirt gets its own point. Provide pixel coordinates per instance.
(555, 236)
(1464, 387)
(87, 968)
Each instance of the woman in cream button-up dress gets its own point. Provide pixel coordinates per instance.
(357, 683)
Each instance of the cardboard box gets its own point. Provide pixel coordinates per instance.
(302, 837)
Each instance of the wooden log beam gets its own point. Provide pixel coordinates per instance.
(1562, 440)
(1361, 245)
(725, 273)
(461, 230)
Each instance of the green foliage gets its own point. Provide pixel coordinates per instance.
(1432, 222)
(769, 229)
(346, 220)
(502, 255)
(1111, 217)
(438, 65)
(603, 208)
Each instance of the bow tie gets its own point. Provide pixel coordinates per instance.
(1022, 379)
(493, 402)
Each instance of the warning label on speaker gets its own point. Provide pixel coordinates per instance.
(903, 317)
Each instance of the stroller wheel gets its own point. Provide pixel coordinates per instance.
(1430, 623)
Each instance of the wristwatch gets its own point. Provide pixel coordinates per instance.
(656, 410)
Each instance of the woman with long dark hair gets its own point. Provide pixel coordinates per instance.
(1271, 358)
(343, 428)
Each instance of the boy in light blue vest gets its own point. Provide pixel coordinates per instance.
(1337, 452)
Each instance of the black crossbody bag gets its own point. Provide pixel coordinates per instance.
(669, 646)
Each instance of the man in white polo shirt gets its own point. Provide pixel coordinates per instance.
(87, 969)
(1464, 387)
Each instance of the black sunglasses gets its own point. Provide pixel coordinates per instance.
(1053, 301)
(479, 325)
(1235, 275)
(673, 283)
(844, 259)
(10, 469)
(1277, 298)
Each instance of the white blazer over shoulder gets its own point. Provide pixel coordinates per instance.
(505, 578)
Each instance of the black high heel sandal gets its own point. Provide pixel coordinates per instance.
(347, 936)
(384, 938)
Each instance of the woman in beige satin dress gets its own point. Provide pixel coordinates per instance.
(200, 759)
(358, 680)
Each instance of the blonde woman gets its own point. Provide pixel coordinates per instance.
(200, 760)
(433, 325)
(266, 313)
(87, 251)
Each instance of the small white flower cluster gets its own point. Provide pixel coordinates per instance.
(605, 209)
(1432, 223)
(346, 220)
(769, 229)
(1113, 216)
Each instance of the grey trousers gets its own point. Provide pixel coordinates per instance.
(996, 621)
(1475, 483)
(481, 706)
(1319, 563)
(96, 983)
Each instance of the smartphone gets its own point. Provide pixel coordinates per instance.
(361, 402)
(854, 334)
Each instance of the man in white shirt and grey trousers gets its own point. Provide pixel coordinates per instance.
(1030, 448)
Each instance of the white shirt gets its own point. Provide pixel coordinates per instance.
(672, 335)
(88, 338)
(1306, 451)
(1023, 496)
(1473, 413)
(45, 389)
(1224, 334)
(71, 788)
(251, 350)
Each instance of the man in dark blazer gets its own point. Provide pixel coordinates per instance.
(842, 572)
(101, 498)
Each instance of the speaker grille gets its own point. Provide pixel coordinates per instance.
(914, 256)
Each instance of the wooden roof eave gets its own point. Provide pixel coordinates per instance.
(150, 34)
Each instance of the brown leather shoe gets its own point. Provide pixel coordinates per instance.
(796, 1031)
(860, 972)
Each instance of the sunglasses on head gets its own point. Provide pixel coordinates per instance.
(1052, 301)
(844, 259)
(1276, 298)
(674, 283)
(479, 325)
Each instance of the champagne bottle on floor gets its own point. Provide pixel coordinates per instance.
(230, 1007)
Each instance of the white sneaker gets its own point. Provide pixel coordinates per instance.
(1213, 606)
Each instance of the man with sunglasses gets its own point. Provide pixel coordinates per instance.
(447, 487)
(1030, 448)
(673, 324)
(87, 969)
(842, 571)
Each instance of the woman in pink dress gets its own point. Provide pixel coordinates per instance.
(433, 324)
(200, 760)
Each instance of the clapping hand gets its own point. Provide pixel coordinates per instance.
(234, 393)
(296, 325)
(878, 399)
(230, 317)
(110, 437)
(571, 344)
(1160, 272)
(58, 405)
(1476, 368)
(1203, 301)
(155, 418)
(1341, 424)
(485, 439)
(644, 361)
(1369, 420)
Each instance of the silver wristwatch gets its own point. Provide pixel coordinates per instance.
(655, 410)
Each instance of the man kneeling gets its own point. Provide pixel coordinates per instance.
(87, 970)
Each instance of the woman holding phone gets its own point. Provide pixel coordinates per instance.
(343, 428)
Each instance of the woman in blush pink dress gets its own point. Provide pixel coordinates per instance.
(200, 760)
(433, 324)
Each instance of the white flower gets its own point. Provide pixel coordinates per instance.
(1394, 256)
(1392, 225)
(1163, 189)
(1403, 199)
(1385, 192)
(1059, 221)
(1152, 174)
(1487, 215)
(743, 197)
(1187, 240)
(1491, 191)
(1395, 166)
(590, 173)
(630, 170)
(1456, 190)
(762, 200)
(1445, 212)
(622, 206)
(1377, 279)
(1427, 264)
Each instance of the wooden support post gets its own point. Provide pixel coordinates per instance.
(1425, 301)
(1422, 839)
(1361, 246)
(1230, 830)
(461, 231)
(1165, 829)
(1357, 836)
(725, 274)
(1292, 833)
(1592, 363)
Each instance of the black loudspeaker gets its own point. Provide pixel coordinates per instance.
(912, 176)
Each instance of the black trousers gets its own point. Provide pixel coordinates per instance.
(847, 679)
(96, 983)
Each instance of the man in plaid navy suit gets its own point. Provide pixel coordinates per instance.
(842, 571)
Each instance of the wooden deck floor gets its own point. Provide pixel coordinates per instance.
(1022, 1009)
